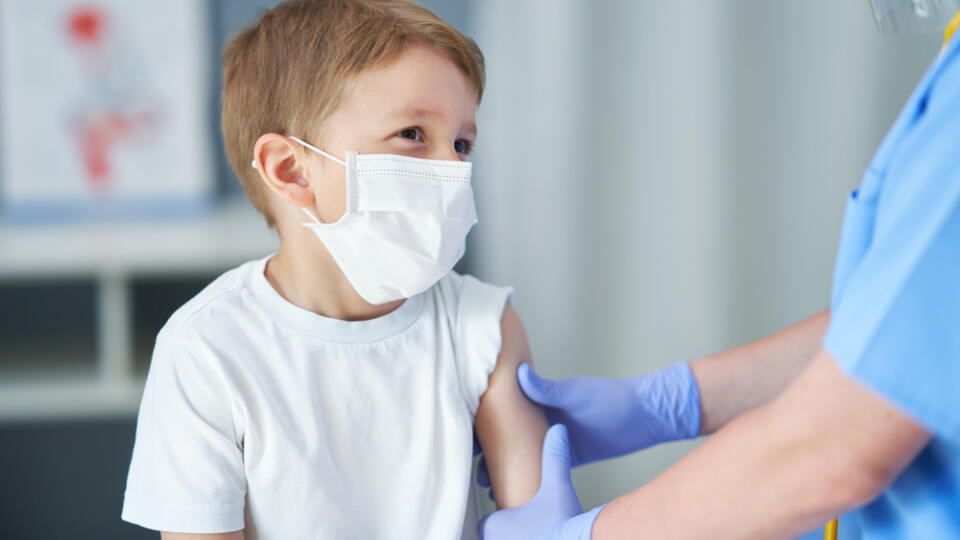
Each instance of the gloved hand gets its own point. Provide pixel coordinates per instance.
(613, 417)
(554, 513)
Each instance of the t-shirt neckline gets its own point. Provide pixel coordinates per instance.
(327, 328)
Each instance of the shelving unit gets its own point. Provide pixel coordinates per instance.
(113, 255)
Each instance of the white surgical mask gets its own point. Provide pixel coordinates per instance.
(405, 225)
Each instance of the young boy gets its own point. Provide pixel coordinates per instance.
(331, 390)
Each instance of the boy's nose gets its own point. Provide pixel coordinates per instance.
(447, 153)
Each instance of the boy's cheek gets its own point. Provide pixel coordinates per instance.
(331, 199)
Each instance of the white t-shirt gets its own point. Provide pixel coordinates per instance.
(258, 414)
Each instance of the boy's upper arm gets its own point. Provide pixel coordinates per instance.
(509, 426)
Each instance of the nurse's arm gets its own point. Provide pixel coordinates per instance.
(826, 445)
(737, 380)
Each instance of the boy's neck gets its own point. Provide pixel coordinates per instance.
(309, 278)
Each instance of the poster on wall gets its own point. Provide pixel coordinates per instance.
(104, 109)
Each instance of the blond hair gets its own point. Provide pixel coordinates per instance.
(287, 73)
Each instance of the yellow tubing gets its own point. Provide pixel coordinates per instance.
(830, 531)
(951, 28)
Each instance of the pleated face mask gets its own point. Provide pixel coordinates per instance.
(405, 224)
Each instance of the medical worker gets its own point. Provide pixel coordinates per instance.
(854, 410)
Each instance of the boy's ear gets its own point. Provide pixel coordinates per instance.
(282, 168)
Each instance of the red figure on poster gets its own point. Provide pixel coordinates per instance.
(110, 111)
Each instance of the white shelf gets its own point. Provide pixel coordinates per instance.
(229, 235)
(68, 398)
(113, 254)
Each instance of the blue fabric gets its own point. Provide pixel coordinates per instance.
(895, 321)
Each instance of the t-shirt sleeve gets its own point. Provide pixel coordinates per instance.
(896, 324)
(186, 474)
(477, 339)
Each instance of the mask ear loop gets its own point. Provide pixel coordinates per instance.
(322, 153)
(308, 212)
(319, 151)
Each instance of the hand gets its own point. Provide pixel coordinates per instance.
(554, 512)
(613, 417)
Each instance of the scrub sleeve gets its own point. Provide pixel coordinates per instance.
(895, 322)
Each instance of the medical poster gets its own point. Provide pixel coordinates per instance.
(103, 109)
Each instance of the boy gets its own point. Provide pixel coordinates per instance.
(331, 390)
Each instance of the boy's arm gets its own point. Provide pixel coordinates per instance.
(509, 426)
(235, 535)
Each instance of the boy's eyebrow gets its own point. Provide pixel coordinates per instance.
(420, 112)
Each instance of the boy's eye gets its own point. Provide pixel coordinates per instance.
(410, 133)
(462, 146)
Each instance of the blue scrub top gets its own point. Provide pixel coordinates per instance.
(895, 321)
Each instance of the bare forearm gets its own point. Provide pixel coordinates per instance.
(725, 488)
(777, 471)
(737, 380)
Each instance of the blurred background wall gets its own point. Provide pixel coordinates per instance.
(663, 180)
(658, 180)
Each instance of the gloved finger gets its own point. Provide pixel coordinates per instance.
(555, 466)
(555, 482)
(543, 391)
(483, 475)
(482, 526)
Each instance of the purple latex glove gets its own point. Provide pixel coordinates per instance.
(554, 513)
(612, 417)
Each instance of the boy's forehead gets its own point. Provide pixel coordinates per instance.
(420, 82)
(417, 113)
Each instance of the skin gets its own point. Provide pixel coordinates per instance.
(740, 379)
(513, 459)
(418, 104)
(783, 458)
